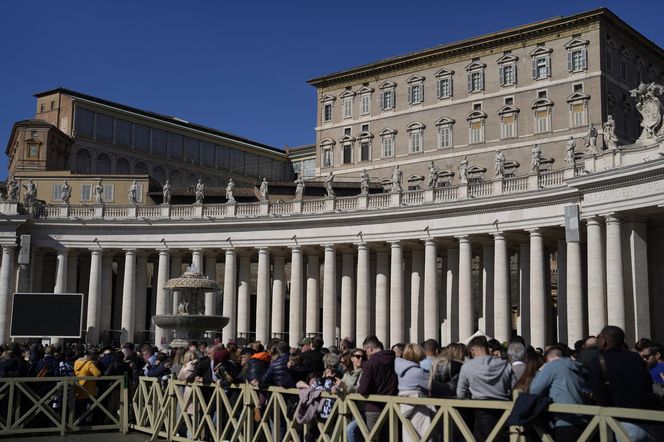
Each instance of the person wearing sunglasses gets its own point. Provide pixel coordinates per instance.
(348, 385)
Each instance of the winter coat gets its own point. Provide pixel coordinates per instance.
(410, 375)
(486, 377)
(86, 367)
(378, 377)
(445, 377)
(277, 373)
(309, 406)
(257, 366)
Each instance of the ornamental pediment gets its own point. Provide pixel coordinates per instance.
(445, 120)
(387, 85)
(444, 73)
(475, 65)
(327, 98)
(387, 131)
(346, 139)
(415, 126)
(540, 50)
(474, 115)
(578, 96)
(327, 142)
(507, 58)
(365, 90)
(542, 102)
(415, 79)
(575, 42)
(347, 93)
(364, 135)
(508, 109)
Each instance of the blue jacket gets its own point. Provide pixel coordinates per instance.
(277, 373)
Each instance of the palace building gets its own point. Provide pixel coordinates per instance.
(515, 185)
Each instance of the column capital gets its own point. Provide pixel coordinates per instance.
(500, 236)
(263, 249)
(129, 251)
(229, 250)
(328, 247)
(535, 231)
(164, 251)
(593, 220)
(613, 218)
(9, 248)
(62, 250)
(428, 242)
(462, 238)
(361, 245)
(96, 251)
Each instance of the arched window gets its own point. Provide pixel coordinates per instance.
(83, 161)
(103, 163)
(140, 168)
(122, 166)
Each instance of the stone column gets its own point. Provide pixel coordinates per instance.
(279, 296)
(502, 308)
(431, 307)
(596, 279)
(538, 318)
(615, 291)
(36, 270)
(117, 296)
(106, 294)
(140, 295)
(163, 273)
(638, 250)
(197, 260)
(451, 326)
(330, 296)
(347, 317)
(262, 296)
(418, 292)
(62, 260)
(313, 296)
(230, 300)
(363, 311)
(523, 325)
(94, 297)
(72, 267)
(128, 297)
(211, 272)
(561, 285)
(466, 324)
(396, 294)
(176, 271)
(382, 302)
(488, 290)
(575, 309)
(6, 284)
(243, 299)
(295, 326)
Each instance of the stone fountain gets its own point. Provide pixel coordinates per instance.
(190, 322)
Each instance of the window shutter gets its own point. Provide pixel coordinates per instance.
(108, 192)
(382, 100)
(470, 81)
(482, 80)
(438, 88)
(548, 66)
(57, 192)
(411, 92)
(451, 91)
(421, 93)
(534, 66)
(86, 192)
(570, 66)
(514, 70)
(501, 75)
(584, 59)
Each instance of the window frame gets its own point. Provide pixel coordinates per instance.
(541, 53)
(415, 137)
(444, 75)
(388, 136)
(415, 86)
(473, 118)
(476, 68)
(445, 124)
(326, 101)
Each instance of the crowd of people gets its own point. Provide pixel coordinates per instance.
(599, 370)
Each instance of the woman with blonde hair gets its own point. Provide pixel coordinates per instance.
(445, 371)
(413, 382)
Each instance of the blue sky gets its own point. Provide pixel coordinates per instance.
(238, 66)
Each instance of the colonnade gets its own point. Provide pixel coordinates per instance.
(399, 290)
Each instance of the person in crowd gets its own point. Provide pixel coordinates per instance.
(485, 377)
(590, 350)
(160, 368)
(277, 372)
(177, 360)
(496, 348)
(619, 378)
(534, 362)
(346, 344)
(349, 383)
(413, 381)
(642, 344)
(48, 365)
(11, 363)
(563, 380)
(378, 376)
(204, 371)
(86, 366)
(296, 367)
(445, 370)
(656, 352)
(397, 349)
(313, 357)
(516, 355)
(431, 347)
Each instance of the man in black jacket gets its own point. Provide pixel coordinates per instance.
(204, 371)
(313, 358)
(277, 372)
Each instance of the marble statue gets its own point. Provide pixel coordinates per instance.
(463, 170)
(397, 177)
(264, 189)
(229, 191)
(328, 185)
(649, 106)
(12, 191)
(65, 192)
(609, 132)
(133, 193)
(299, 188)
(200, 191)
(535, 159)
(570, 150)
(364, 182)
(432, 179)
(499, 168)
(590, 139)
(99, 190)
(166, 192)
(30, 193)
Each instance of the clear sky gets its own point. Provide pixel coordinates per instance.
(238, 66)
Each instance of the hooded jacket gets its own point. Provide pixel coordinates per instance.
(277, 373)
(257, 366)
(86, 367)
(411, 376)
(378, 377)
(486, 377)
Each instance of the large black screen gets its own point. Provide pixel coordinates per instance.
(37, 315)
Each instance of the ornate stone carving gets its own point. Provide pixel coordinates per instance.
(649, 106)
(299, 188)
(12, 191)
(200, 191)
(609, 132)
(499, 167)
(230, 198)
(364, 182)
(166, 191)
(463, 170)
(590, 140)
(132, 193)
(570, 150)
(263, 190)
(328, 185)
(30, 193)
(65, 192)
(397, 177)
(432, 179)
(99, 192)
(535, 159)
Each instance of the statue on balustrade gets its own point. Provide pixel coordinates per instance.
(264, 190)
(133, 193)
(397, 177)
(200, 191)
(590, 139)
(432, 179)
(65, 192)
(570, 150)
(299, 188)
(12, 191)
(364, 182)
(229, 191)
(499, 168)
(463, 170)
(609, 132)
(99, 191)
(535, 159)
(328, 185)
(166, 192)
(30, 193)
(649, 106)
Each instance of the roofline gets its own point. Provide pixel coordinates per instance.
(163, 118)
(31, 123)
(479, 41)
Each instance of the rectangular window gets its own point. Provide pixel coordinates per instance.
(476, 132)
(609, 62)
(444, 87)
(348, 153)
(541, 68)
(348, 107)
(365, 101)
(387, 99)
(416, 141)
(309, 168)
(327, 112)
(508, 127)
(364, 151)
(388, 147)
(109, 193)
(52, 105)
(475, 81)
(86, 192)
(42, 107)
(623, 70)
(139, 193)
(365, 127)
(327, 157)
(542, 121)
(57, 192)
(578, 115)
(416, 94)
(104, 128)
(122, 132)
(507, 75)
(576, 60)
(445, 136)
